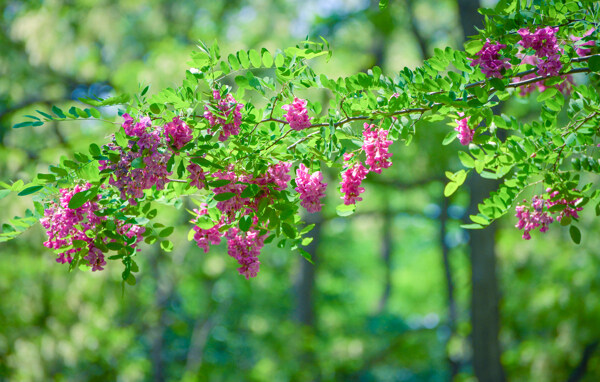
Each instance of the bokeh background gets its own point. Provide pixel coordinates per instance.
(398, 292)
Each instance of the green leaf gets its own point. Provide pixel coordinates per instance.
(4, 193)
(594, 63)
(547, 94)
(306, 255)
(81, 197)
(59, 113)
(138, 163)
(267, 58)
(289, 230)
(245, 223)
(166, 232)
(473, 46)
(205, 222)
(94, 149)
(383, 4)
(224, 196)
(345, 210)
(117, 100)
(130, 279)
(451, 136)
(575, 234)
(250, 191)
(466, 159)
(471, 226)
(450, 188)
(30, 190)
(166, 245)
(243, 58)
(255, 58)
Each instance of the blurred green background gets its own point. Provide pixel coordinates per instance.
(390, 295)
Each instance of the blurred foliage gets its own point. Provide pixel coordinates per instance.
(191, 317)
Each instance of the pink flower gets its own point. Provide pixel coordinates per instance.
(579, 47)
(311, 188)
(134, 129)
(197, 176)
(245, 247)
(376, 147)
(545, 44)
(297, 115)
(351, 181)
(206, 237)
(465, 134)
(489, 60)
(229, 115)
(178, 134)
(539, 214)
(142, 165)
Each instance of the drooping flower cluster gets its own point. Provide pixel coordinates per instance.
(569, 210)
(228, 115)
(196, 175)
(63, 225)
(545, 44)
(465, 133)
(539, 214)
(376, 146)
(489, 60)
(133, 128)
(245, 247)
(206, 237)
(531, 218)
(297, 115)
(351, 181)
(142, 164)
(276, 174)
(178, 133)
(72, 226)
(311, 188)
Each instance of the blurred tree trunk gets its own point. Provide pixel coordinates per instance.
(485, 298)
(386, 254)
(305, 282)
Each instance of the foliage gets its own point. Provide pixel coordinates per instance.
(238, 146)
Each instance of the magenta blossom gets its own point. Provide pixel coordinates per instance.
(311, 188)
(297, 114)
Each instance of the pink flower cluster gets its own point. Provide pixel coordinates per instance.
(489, 60)
(564, 87)
(545, 44)
(196, 175)
(206, 237)
(465, 133)
(150, 171)
(178, 133)
(64, 225)
(229, 116)
(530, 219)
(539, 215)
(297, 115)
(61, 225)
(133, 128)
(375, 146)
(351, 181)
(311, 188)
(568, 211)
(245, 247)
